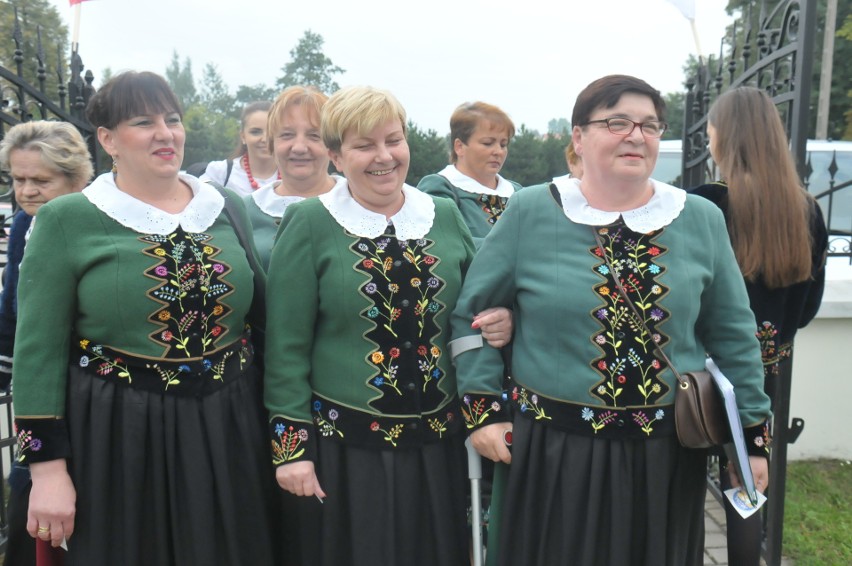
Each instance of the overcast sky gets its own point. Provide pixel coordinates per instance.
(530, 57)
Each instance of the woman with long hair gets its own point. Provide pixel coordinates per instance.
(779, 239)
(251, 165)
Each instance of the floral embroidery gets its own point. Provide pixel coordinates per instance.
(287, 446)
(429, 364)
(640, 418)
(327, 424)
(477, 412)
(402, 290)
(598, 422)
(493, 207)
(388, 370)
(440, 426)
(189, 286)
(628, 365)
(771, 352)
(26, 443)
(107, 365)
(390, 435)
(528, 403)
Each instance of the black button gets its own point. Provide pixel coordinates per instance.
(411, 386)
(406, 345)
(413, 426)
(405, 302)
(620, 423)
(397, 263)
(277, 221)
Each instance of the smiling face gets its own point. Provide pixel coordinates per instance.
(253, 135)
(375, 164)
(483, 155)
(34, 182)
(146, 146)
(611, 157)
(299, 150)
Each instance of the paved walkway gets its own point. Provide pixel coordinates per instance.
(715, 538)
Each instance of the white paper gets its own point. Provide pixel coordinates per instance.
(737, 454)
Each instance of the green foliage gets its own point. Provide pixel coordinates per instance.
(214, 92)
(181, 80)
(209, 135)
(558, 126)
(818, 513)
(247, 94)
(674, 115)
(526, 163)
(429, 153)
(310, 66)
(35, 15)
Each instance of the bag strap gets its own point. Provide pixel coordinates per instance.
(617, 278)
(228, 168)
(234, 217)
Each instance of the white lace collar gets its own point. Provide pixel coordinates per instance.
(413, 221)
(664, 206)
(274, 205)
(206, 205)
(504, 188)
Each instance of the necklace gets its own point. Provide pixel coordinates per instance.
(247, 168)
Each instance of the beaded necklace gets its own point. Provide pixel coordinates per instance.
(247, 168)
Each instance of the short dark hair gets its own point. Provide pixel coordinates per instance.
(606, 91)
(129, 94)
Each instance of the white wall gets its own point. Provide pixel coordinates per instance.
(822, 375)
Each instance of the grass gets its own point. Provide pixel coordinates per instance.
(818, 513)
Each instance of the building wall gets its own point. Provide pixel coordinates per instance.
(822, 378)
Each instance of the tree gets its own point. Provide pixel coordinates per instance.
(526, 163)
(209, 135)
(844, 35)
(34, 17)
(428, 153)
(558, 126)
(674, 115)
(310, 66)
(247, 94)
(214, 92)
(181, 80)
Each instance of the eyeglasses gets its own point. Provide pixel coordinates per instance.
(625, 126)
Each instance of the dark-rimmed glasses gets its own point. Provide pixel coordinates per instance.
(625, 126)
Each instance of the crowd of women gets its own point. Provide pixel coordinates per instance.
(157, 430)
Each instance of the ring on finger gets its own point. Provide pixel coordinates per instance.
(43, 530)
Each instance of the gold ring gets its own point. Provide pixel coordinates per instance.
(44, 529)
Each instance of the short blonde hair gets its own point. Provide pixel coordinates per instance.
(361, 108)
(308, 97)
(61, 146)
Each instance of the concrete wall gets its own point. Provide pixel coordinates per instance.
(822, 374)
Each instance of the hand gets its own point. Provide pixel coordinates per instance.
(488, 441)
(52, 502)
(759, 469)
(299, 478)
(496, 324)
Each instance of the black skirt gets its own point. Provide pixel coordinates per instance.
(583, 501)
(169, 480)
(387, 507)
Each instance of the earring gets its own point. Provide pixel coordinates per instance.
(114, 164)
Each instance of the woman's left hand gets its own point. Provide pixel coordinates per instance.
(496, 326)
(759, 469)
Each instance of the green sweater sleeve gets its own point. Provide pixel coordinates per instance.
(292, 301)
(46, 307)
(490, 282)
